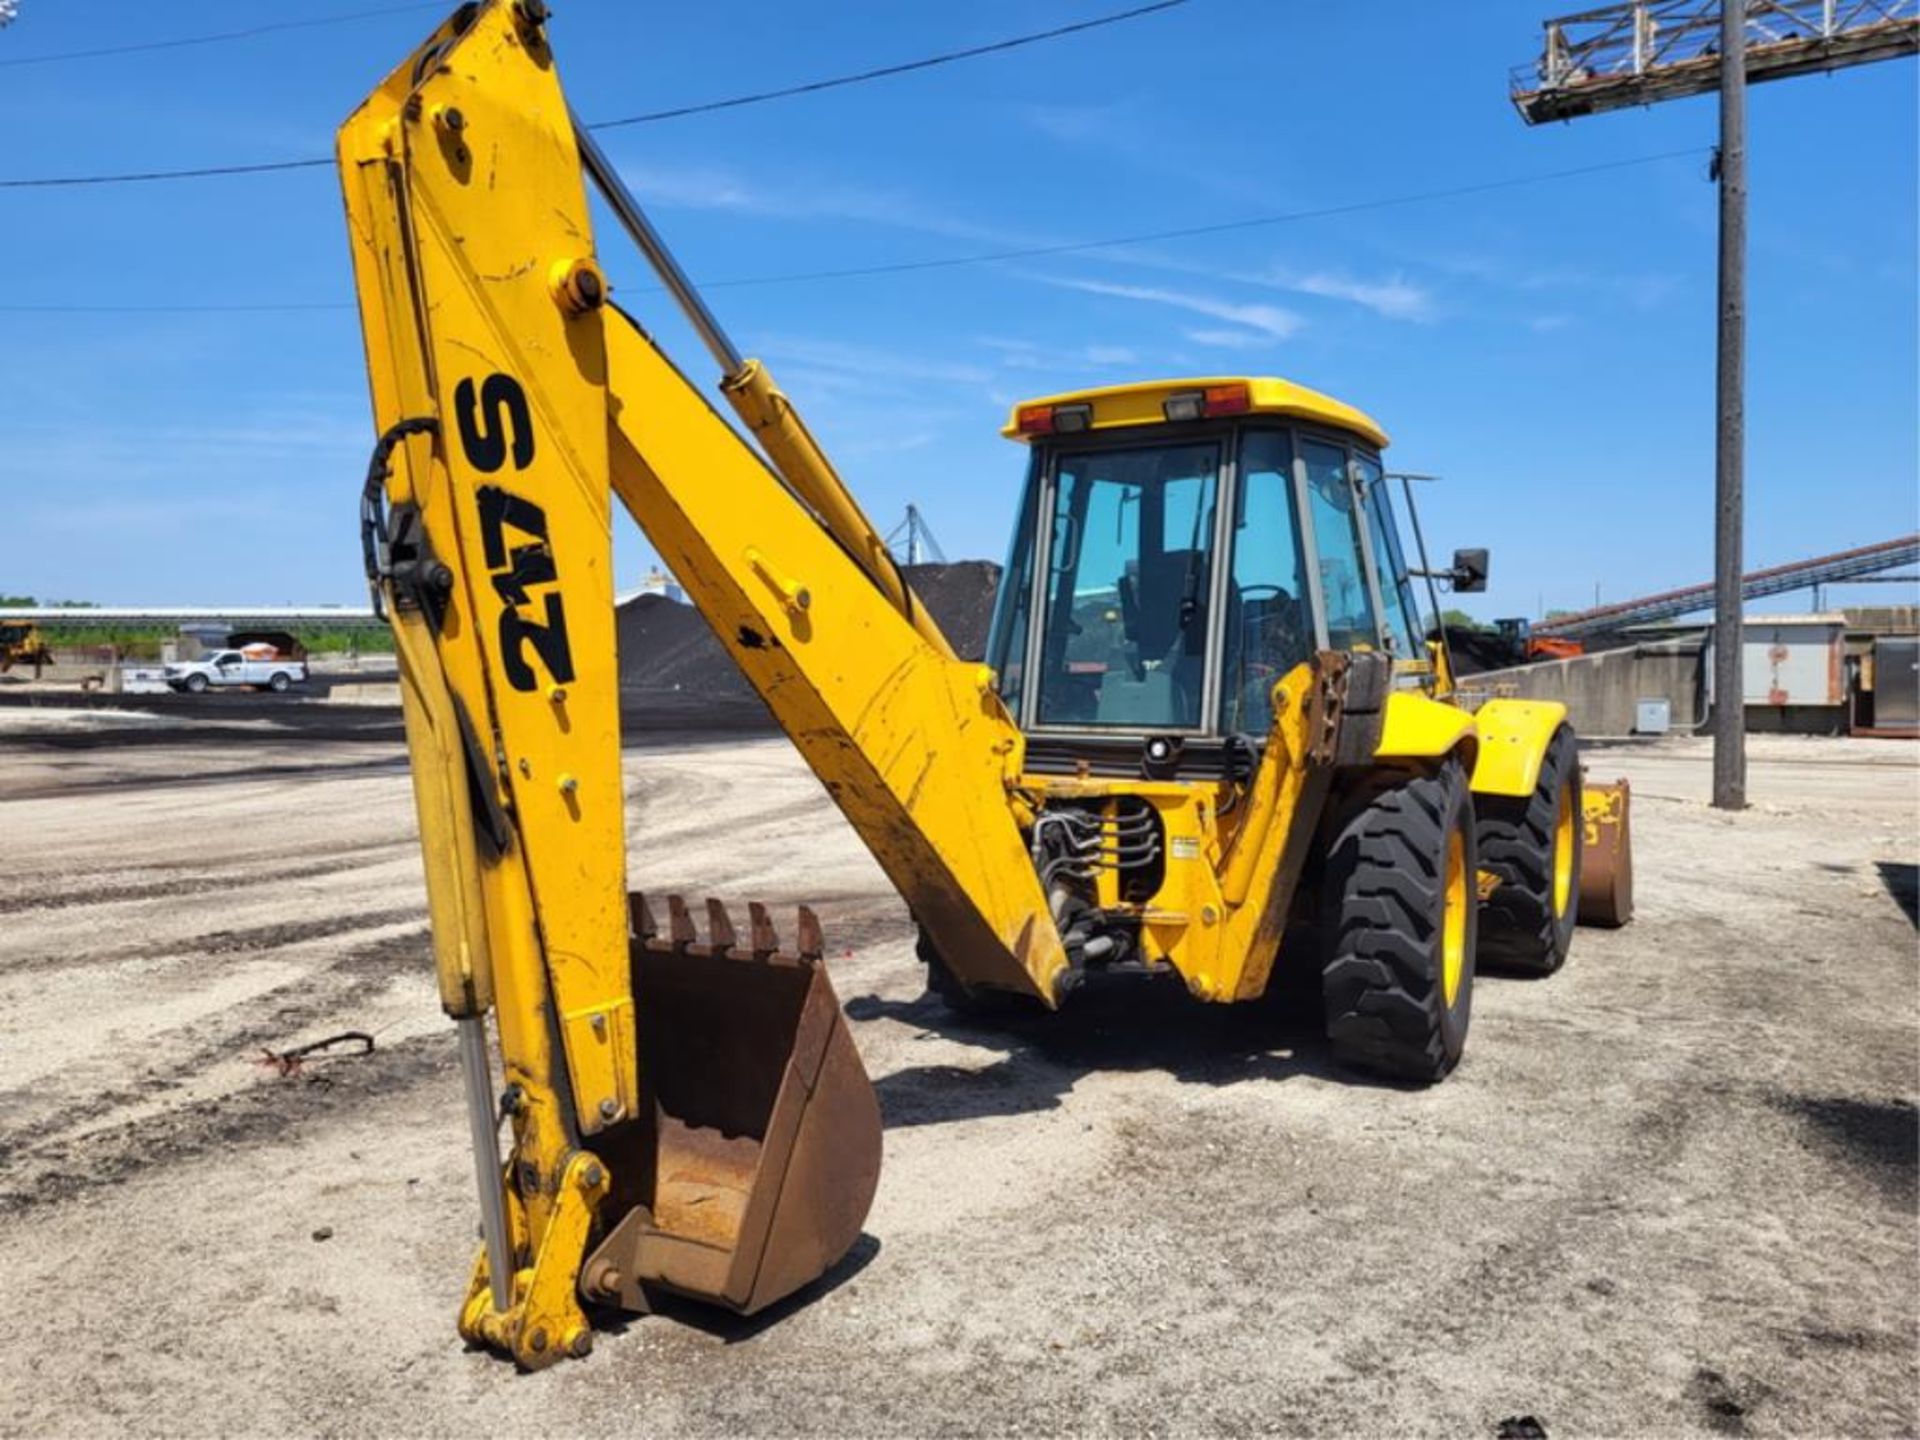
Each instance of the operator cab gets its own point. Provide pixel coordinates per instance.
(1201, 538)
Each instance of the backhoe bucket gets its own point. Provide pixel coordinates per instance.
(1606, 860)
(763, 1148)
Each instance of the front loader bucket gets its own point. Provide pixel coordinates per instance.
(1606, 861)
(763, 1143)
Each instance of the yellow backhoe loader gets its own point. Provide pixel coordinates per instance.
(21, 644)
(1207, 740)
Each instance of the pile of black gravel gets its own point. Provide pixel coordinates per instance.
(666, 646)
(674, 672)
(960, 595)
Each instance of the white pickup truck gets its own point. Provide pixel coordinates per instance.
(232, 668)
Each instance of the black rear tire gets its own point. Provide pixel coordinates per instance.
(278, 684)
(1532, 847)
(1398, 985)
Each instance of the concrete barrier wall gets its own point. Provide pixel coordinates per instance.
(1602, 692)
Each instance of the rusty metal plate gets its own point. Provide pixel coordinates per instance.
(1606, 864)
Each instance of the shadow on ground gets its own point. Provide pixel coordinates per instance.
(1125, 1024)
(738, 1329)
(1902, 880)
(1878, 1138)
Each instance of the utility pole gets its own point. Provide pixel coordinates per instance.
(1729, 441)
(1644, 51)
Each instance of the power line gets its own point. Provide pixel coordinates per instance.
(885, 71)
(758, 98)
(250, 33)
(174, 309)
(132, 176)
(1036, 252)
(1032, 252)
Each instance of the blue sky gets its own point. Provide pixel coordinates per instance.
(1547, 349)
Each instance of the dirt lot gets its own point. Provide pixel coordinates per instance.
(1672, 1190)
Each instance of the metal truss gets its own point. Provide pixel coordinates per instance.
(1801, 575)
(1648, 50)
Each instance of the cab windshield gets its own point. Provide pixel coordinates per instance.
(1138, 545)
(1130, 543)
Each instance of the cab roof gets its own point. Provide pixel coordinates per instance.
(1115, 406)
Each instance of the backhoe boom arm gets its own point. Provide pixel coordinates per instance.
(514, 403)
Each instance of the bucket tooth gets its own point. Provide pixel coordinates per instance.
(720, 936)
(640, 922)
(680, 923)
(812, 944)
(764, 939)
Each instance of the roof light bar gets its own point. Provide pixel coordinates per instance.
(1228, 400)
(1054, 419)
(1188, 405)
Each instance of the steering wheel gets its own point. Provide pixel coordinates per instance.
(1281, 624)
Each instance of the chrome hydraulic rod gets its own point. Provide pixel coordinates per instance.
(627, 210)
(770, 415)
(484, 1122)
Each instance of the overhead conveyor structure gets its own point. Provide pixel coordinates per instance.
(1832, 569)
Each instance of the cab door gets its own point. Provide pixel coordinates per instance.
(1349, 608)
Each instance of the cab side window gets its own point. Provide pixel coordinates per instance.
(1351, 623)
(1396, 595)
(1269, 628)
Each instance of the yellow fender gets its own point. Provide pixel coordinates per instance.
(1416, 728)
(1514, 735)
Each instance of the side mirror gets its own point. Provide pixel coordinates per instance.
(1469, 572)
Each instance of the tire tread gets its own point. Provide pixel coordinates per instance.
(1518, 928)
(1381, 984)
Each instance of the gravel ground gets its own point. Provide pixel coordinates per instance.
(1671, 1190)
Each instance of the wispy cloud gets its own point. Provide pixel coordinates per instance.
(131, 453)
(870, 367)
(1643, 290)
(125, 516)
(691, 189)
(1032, 355)
(1394, 297)
(870, 445)
(1271, 320)
(1076, 124)
(1230, 339)
(707, 188)
(115, 485)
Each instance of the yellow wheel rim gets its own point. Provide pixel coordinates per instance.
(1453, 921)
(1563, 834)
